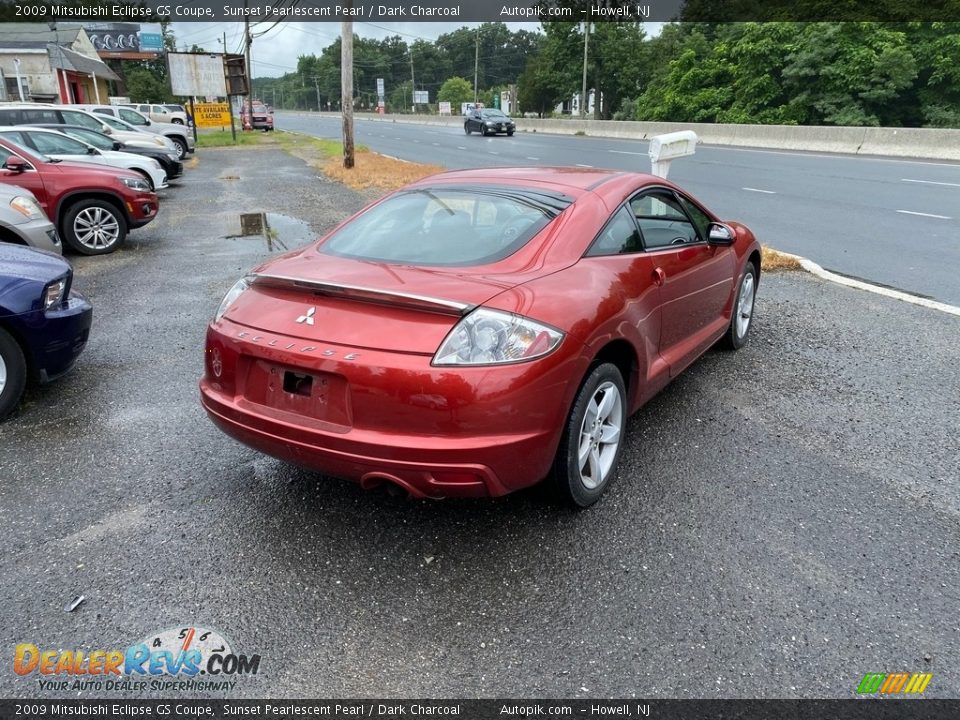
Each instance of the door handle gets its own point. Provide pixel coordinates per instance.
(659, 276)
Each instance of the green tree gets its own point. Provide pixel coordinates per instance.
(455, 90)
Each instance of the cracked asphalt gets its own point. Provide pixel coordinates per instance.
(786, 518)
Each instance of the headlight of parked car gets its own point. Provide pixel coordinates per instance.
(486, 337)
(28, 207)
(232, 294)
(135, 183)
(53, 293)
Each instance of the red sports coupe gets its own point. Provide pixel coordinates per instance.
(480, 330)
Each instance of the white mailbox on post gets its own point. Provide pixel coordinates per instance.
(664, 148)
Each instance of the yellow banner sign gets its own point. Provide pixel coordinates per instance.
(211, 114)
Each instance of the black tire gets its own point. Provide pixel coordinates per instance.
(182, 147)
(737, 335)
(466, 128)
(88, 213)
(177, 121)
(510, 133)
(568, 478)
(483, 130)
(13, 374)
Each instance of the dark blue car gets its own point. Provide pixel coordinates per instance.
(44, 325)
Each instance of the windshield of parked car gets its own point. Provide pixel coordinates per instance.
(98, 140)
(446, 226)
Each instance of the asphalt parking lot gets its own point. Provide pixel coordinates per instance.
(786, 518)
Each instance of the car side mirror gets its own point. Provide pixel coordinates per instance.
(148, 122)
(15, 164)
(92, 151)
(106, 129)
(117, 145)
(720, 234)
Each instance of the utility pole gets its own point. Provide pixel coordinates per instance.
(233, 128)
(249, 41)
(583, 92)
(316, 85)
(413, 83)
(476, 67)
(346, 88)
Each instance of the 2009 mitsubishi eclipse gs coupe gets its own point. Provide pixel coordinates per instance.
(480, 330)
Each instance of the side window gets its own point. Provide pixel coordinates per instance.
(662, 220)
(619, 236)
(700, 218)
(78, 118)
(9, 117)
(159, 110)
(56, 144)
(40, 116)
(134, 118)
(15, 136)
(103, 111)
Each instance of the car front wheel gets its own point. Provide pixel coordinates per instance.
(590, 447)
(13, 373)
(742, 316)
(182, 148)
(466, 128)
(94, 227)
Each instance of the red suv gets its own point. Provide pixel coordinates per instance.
(92, 206)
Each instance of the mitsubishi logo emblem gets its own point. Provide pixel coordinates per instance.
(308, 317)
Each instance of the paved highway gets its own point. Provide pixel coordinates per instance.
(893, 222)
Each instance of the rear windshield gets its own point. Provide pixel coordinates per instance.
(446, 226)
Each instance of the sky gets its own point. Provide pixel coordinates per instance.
(275, 53)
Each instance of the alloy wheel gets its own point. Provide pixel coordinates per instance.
(600, 435)
(96, 228)
(745, 304)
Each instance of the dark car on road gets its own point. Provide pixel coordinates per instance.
(44, 324)
(489, 121)
(92, 206)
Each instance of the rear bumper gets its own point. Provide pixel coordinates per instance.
(425, 467)
(390, 417)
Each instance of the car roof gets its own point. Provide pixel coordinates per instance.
(570, 180)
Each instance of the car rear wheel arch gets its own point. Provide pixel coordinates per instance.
(10, 237)
(13, 371)
(623, 355)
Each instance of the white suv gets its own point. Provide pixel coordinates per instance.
(160, 113)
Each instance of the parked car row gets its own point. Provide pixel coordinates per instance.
(83, 176)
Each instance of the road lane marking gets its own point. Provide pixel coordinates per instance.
(435, 144)
(765, 192)
(814, 269)
(492, 152)
(460, 147)
(582, 165)
(530, 157)
(930, 182)
(929, 215)
(626, 152)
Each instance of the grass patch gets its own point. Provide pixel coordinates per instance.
(371, 171)
(223, 138)
(377, 172)
(773, 261)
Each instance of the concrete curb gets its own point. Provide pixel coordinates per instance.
(814, 269)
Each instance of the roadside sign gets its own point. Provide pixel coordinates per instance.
(211, 115)
(421, 97)
(380, 88)
(444, 108)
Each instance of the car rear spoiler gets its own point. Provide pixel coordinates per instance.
(365, 294)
